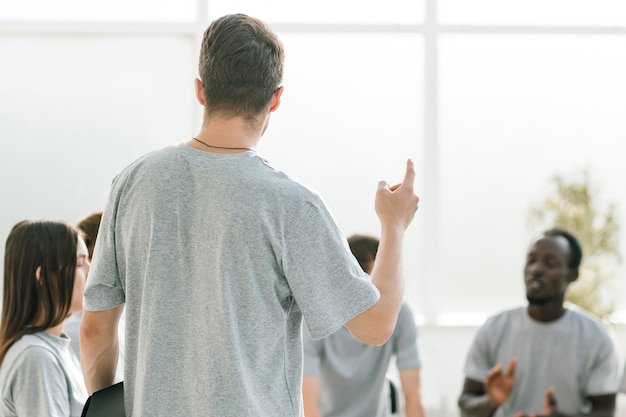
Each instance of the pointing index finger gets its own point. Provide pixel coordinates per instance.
(409, 176)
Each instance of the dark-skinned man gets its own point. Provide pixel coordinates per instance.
(548, 358)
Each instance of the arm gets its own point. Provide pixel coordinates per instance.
(395, 207)
(601, 406)
(474, 401)
(481, 399)
(99, 347)
(311, 389)
(410, 380)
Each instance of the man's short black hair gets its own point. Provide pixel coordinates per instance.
(575, 250)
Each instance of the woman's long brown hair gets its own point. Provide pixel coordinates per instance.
(31, 304)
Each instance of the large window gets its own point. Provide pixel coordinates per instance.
(515, 110)
(490, 99)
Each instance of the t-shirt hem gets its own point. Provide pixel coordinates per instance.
(322, 332)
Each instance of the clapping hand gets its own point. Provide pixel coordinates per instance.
(499, 385)
(548, 410)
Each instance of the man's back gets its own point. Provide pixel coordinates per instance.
(210, 253)
(218, 256)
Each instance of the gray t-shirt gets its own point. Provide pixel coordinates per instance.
(217, 258)
(574, 354)
(40, 377)
(352, 374)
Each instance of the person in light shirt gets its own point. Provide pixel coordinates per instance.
(547, 358)
(45, 267)
(216, 257)
(345, 378)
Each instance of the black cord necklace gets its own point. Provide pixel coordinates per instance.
(221, 147)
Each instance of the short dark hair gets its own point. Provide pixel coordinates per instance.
(364, 248)
(241, 66)
(88, 227)
(575, 250)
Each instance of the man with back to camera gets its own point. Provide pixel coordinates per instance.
(559, 360)
(345, 378)
(217, 256)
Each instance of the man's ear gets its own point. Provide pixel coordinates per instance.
(276, 99)
(197, 83)
(573, 274)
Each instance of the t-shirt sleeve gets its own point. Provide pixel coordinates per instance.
(327, 282)
(604, 376)
(40, 388)
(407, 356)
(104, 289)
(478, 361)
(312, 353)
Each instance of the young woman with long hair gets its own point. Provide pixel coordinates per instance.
(45, 267)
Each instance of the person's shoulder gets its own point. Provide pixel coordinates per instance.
(153, 157)
(585, 318)
(503, 317)
(288, 190)
(31, 350)
(284, 179)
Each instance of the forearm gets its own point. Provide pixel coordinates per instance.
(592, 413)
(311, 391)
(99, 349)
(601, 406)
(312, 411)
(98, 357)
(411, 388)
(388, 276)
(375, 325)
(413, 407)
(476, 406)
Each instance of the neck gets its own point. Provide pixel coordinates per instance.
(547, 312)
(226, 135)
(56, 330)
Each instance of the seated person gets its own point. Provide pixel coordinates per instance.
(88, 228)
(45, 268)
(547, 358)
(344, 377)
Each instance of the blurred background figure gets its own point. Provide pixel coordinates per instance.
(546, 358)
(88, 228)
(344, 377)
(45, 267)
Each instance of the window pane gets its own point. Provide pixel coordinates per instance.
(516, 110)
(351, 115)
(533, 12)
(99, 11)
(324, 11)
(74, 111)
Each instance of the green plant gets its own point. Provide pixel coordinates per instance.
(573, 204)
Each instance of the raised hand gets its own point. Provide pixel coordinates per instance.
(550, 404)
(499, 385)
(396, 205)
